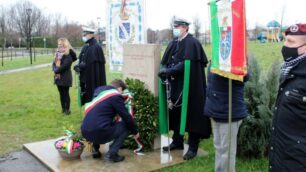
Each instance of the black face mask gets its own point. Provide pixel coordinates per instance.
(289, 53)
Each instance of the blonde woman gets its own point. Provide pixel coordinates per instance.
(64, 57)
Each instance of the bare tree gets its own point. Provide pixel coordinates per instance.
(19, 16)
(72, 31)
(92, 24)
(282, 15)
(3, 23)
(164, 36)
(171, 27)
(57, 21)
(197, 27)
(43, 26)
(151, 36)
(12, 32)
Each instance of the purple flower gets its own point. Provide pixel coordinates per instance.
(59, 144)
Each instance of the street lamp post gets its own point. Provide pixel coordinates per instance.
(99, 38)
(2, 54)
(5, 46)
(34, 48)
(45, 42)
(19, 40)
(29, 11)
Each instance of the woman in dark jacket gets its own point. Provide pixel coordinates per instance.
(62, 72)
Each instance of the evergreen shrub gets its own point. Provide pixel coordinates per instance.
(260, 95)
(146, 109)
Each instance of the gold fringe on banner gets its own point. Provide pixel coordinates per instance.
(227, 75)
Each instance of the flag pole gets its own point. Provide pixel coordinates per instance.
(230, 96)
(168, 97)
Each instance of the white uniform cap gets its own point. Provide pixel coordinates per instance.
(88, 29)
(180, 21)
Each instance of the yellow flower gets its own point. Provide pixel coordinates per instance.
(65, 144)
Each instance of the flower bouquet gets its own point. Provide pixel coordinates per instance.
(71, 146)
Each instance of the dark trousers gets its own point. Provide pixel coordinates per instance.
(64, 97)
(118, 133)
(193, 140)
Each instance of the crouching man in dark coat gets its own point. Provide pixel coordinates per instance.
(185, 48)
(288, 133)
(99, 125)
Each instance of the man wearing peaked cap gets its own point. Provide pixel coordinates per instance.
(180, 21)
(91, 70)
(88, 30)
(185, 50)
(288, 132)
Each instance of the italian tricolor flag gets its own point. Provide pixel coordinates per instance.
(228, 38)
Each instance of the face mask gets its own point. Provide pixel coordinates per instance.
(290, 52)
(84, 39)
(176, 33)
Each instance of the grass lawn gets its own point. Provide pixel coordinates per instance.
(30, 109)
(24, 62)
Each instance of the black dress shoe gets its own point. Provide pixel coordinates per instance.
(113, 157)
(96, 154)
(190, 155)
(173, 147)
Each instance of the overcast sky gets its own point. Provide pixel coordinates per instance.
(160, 12)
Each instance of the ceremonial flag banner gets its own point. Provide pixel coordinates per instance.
(125, 25)
(228, 38)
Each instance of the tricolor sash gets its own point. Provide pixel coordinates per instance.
(100, 98)
(128, 96)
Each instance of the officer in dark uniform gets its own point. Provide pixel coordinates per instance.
(91, 66)
(99, 125)
(185, 47)
(288, 134)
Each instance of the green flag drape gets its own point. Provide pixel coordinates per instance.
(163, 117)
(185, 96)
(79, 92)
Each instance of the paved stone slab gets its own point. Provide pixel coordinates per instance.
(48, 155)
(20, 161)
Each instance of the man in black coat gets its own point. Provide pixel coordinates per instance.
(91, 66)
(288, 134)
(186, 47)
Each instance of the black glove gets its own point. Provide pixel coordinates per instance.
(82, 65)
(76, 68)
(163, 73)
